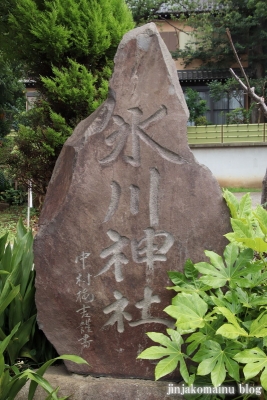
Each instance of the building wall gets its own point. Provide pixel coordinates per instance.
(235, 166)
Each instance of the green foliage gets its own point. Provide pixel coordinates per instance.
(220, 308)
(13, 196)
(246, 21)
(17, 299)
(20, 338)
(201, 121)
(231, 90)
(12, 96)
(67, 48)
(197, 107)
(6, 146)
(37, 146)
(74, 44)
(238, 116)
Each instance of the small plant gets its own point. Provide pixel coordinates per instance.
(221, 310)
(20, 338)
(202, 120)
(239, 116)
(13, 196)
(196, 105)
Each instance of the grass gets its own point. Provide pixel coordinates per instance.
(9, 219)
(241, 189)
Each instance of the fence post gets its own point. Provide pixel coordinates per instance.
(221, 133)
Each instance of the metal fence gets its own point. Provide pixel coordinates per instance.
(209, 134)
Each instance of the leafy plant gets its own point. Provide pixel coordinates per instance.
(13, 196)
(20, 338)
(17, 299)
(221, 309)
(196, 105)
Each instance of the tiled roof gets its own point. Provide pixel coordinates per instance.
(193, 75)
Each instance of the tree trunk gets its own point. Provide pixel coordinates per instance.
(264, 191)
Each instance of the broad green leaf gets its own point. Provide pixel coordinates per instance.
(231, 332)
(261, 214)
(5, 301)
(230, 254)
(228, 314)
(39, 380)
(189, 311)
(176, 277)
(256, 361)
(43, 368)
(232, 203)
(233, 329)
(216, 361)
(195, 340)
(217, 274)
(3, 272)
(3, 241)
(14, 386)
(256, 244)
(172, 352)
(166, 366)
(153, 353)
(161, 338)
(22, 337)
(189, 270)
(241, 229)
(258, 327)
(21, 230)
(244, 209)
(212, 277)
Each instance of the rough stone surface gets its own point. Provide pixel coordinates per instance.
(127, 203)
(88, 388)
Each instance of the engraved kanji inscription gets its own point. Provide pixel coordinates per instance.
(136, 131)
(134, 198)
(118, 258)
(145, 305)
(82, 257)
(85, 341)
(84, 296)
(118, 311)
(147, 251)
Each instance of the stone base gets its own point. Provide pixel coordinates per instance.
(80, 387)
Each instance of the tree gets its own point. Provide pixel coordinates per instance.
(196, 105)
(148, 10)
(12, 96)
(247, 23)
(260, 100)
(67, 47)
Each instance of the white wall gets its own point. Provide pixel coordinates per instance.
(235, 166)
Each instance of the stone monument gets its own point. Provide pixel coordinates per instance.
(127, 202)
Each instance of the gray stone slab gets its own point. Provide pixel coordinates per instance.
(90, 388)
(127, 202)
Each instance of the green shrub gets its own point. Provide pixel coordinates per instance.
(13, 196)
(221, 310)
(20, 338)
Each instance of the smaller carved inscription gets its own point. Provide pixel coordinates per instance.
(84, 296)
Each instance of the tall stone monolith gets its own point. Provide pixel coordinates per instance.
(127, 203)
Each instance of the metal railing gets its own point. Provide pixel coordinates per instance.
(212, 134)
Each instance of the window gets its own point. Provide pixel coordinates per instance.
(218, 109)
